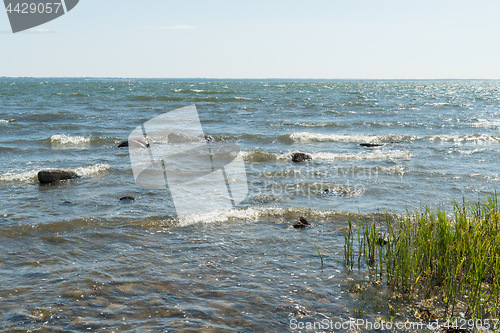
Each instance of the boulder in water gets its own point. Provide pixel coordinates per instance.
(300, 157)
(127, 198)
(52, 176)
(301, 223)
(368, 144)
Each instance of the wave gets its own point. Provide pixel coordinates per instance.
(157, 98)
(316, 137)
(148, 98)
(483, 123)
(371, 155)
(91, 170)
(31, 176)
(215, 98)
(395, 169)
(312, 137)
(200, 91)
(307, 124)
(58, 140)
(460, 138)
(257, 213)
(19, 177)
(61, 139)
(260, 156)
(441, 104)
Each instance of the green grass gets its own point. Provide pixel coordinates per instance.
(319, 253)
(430, 253)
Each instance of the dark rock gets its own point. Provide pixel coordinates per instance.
(135, 142)
(371, 144)
(52, 176)
(299, 157)
(127, 199)
(207, 137)
(382, 241)
(301, 223)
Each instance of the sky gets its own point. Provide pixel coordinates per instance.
(316, 39)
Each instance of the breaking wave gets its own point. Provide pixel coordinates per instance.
(256, 213)
(61, 139)
(316, 137)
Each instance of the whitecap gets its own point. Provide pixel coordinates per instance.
(372, 155)
(61, 139)
(309, 137)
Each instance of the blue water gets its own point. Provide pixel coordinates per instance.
(440, 141)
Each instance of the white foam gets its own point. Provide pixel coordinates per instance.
(372, 155)
(91, 169)
(440, 104)
(19, 177)
(308, 137)
(395, 169)
(61, 139)
(220, 215)
(483, 123)
(460, 138)
(369, 155)
(252, 214)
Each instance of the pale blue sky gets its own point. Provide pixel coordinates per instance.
(262, 39)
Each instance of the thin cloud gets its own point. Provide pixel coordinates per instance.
(32, 31)
(175, 27)
(41, 31)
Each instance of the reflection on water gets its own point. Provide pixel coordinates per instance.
(236, 276)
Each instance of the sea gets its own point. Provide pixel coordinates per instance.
(74, 257)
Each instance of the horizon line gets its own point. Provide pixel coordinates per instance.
(236, 79)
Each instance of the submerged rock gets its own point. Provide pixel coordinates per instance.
(335, 191)
(299, 157)
(52, 176)
(371, 144)
(127, 199)
(135, 142)
(382, 240)
(207, 137)
(301, 223)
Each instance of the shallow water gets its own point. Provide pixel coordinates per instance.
(74, 257)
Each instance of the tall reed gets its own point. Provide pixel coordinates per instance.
(430, 253)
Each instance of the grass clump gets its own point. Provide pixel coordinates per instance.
(429, 253)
